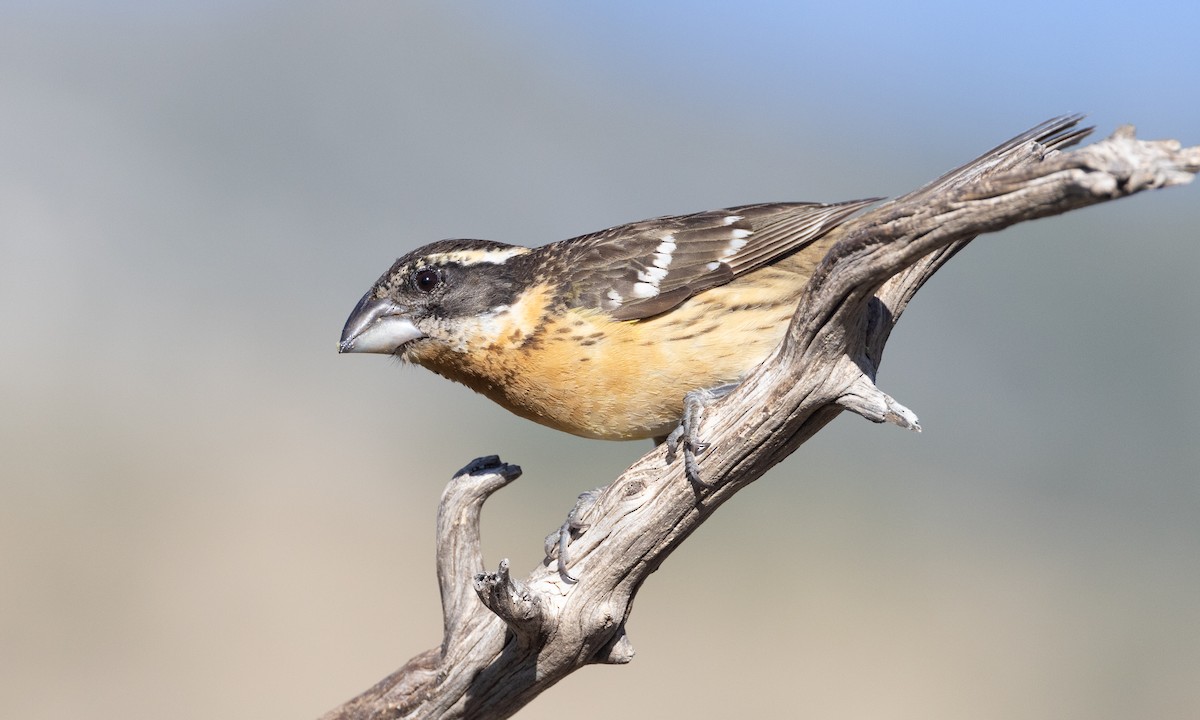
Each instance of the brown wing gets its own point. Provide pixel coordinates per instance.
(645, 268)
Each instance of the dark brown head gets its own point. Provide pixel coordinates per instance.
(430, 294)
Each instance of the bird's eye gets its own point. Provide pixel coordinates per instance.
(426, 280)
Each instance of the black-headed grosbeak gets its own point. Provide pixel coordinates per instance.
(602, 335)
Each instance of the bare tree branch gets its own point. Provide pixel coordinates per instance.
(507, 640)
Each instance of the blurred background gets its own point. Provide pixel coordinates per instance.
(206, 512)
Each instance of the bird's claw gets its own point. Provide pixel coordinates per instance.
(685, 435)
(560, 539)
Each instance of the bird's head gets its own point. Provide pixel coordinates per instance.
(433, 296)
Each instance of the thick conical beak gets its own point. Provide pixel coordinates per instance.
(377, 326)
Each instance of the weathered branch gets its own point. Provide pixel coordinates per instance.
(507, 640)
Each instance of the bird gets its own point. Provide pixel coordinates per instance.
(625, 333)
(603, 335)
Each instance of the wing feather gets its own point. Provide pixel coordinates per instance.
(646, 268)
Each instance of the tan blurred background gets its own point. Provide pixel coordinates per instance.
(205, 512)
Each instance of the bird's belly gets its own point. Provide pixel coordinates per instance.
(625, 381)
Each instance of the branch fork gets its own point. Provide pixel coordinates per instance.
(513, 602)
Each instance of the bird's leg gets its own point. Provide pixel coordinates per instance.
(685, 435)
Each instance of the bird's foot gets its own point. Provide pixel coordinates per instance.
(573, 526)
(686, 436)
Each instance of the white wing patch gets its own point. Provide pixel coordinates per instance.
(645, 289)
(664, 252)
(652, 275)
(648, 280)
(736, 243)
(651, 271)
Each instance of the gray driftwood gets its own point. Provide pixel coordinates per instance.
(507, 639)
